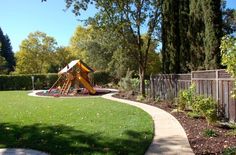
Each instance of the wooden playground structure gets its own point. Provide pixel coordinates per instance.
(75, 76)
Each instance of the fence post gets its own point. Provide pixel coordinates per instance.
(217, 86)
(152, 91)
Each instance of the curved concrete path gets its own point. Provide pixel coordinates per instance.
(169, 138)
(14, 151)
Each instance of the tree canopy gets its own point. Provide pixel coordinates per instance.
(127, 18)
(35, 53)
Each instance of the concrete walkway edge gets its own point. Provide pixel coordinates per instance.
(169, 136)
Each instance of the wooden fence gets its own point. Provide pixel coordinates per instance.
(215, 83)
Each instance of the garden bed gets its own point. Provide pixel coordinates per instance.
(203, 138)
(78, 93)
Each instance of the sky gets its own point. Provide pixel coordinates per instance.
(19, 18)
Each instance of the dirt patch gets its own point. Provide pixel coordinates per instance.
(195, 129)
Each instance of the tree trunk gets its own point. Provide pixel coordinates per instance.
(142, 80)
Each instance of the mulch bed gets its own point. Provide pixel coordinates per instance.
(195, 128)
(55, 93)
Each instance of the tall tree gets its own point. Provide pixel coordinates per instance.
(103, 49)
(184, 54)
(127, 18)
(35, 55)
(191, 33)
(6, 51)
(196, 35)
(77, 41)
(213, 32)
(175, 49)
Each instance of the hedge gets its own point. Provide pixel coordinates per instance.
(24, 82)
(101, 78)
(42, 81)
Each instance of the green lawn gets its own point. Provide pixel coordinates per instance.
(72, 126)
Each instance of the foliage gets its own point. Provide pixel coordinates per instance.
(230, 151)
(209, 133)
(191, 33)
(128, 83)
(232, 132)
(101, 77)
(186, 97)
(36, 54)
(3, 64)
(232, 125)
(175, 48)
(199, 104)
(229, 19)
(24, 82)
(193, 114)
(60, 58)
(228, 51)
(77, 41)
(206, 107)
(102, 49)
(212, 15)
(6, 52)
(42, 81)
(127, 19)
(140, 98)
(73, 126)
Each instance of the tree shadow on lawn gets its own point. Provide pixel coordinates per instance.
(61, 139)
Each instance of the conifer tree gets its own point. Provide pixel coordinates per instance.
(6, 51)
(213, 32)
(196, 35)
(175, 45)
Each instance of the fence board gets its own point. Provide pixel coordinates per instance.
(214, 83)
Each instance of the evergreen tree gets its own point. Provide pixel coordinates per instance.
(213, 32)
(175, 44)
(184, 55)
(170, 36)
(196, 35)
(9, 55)
(6, 51)
(191, 34)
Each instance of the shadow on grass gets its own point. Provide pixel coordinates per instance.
(61, 139)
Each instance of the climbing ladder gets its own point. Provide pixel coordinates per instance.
(65, 87)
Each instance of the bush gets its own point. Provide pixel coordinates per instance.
(181, 100)
(199, 105)
(128, 83)
(41, 81)
(101, 78)
(228, 52)
(24, 82)
(186, 97)
(207, 108)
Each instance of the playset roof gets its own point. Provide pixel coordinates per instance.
(74, 63)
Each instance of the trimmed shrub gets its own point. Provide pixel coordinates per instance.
(24, 82)
(42, 81)
(101, 78)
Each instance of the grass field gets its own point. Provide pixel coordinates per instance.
(72, 126)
